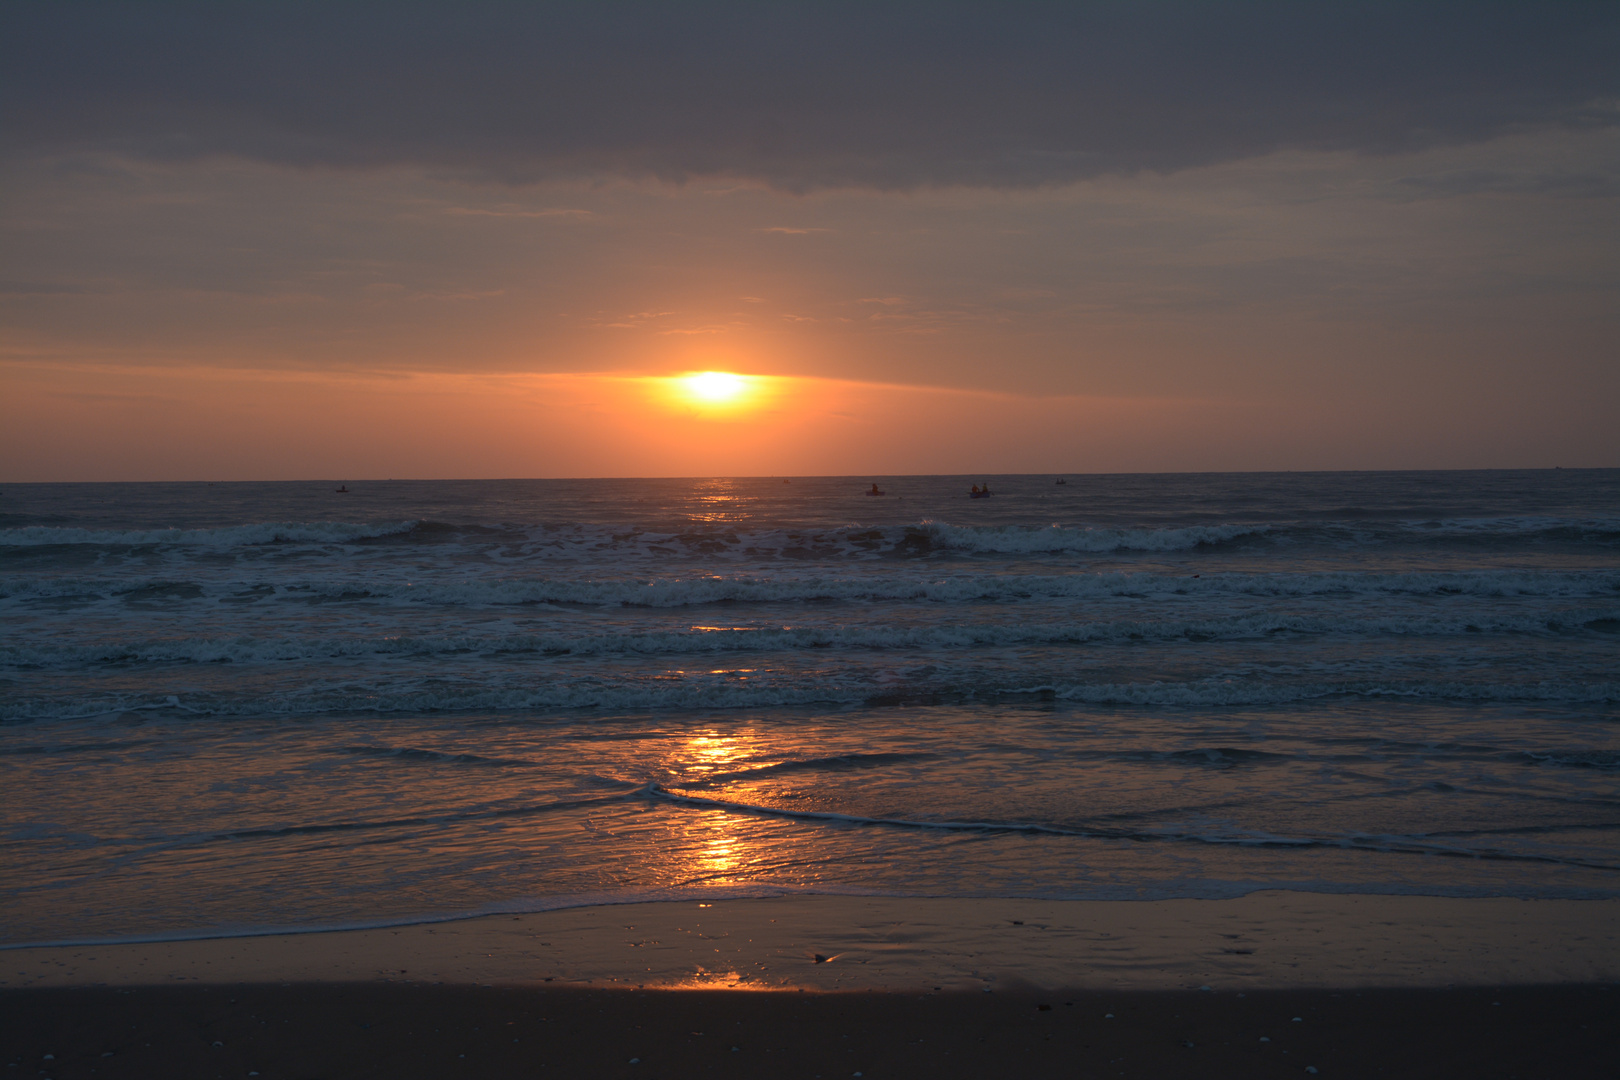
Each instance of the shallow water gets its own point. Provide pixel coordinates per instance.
(242, 706)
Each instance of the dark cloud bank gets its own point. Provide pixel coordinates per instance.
(798, 95)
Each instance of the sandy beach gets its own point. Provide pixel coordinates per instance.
(823, 986)
(391, 1030)
(1271, 939)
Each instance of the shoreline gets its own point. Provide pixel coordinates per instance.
(1271, 939)
(1270, 985)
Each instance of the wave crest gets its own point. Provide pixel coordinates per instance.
(231, 536)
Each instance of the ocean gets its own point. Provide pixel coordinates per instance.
(252, 707)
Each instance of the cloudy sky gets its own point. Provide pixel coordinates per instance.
(283, 240)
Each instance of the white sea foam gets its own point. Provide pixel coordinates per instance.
(961, 588)
(675, 592)
(526, 544)
(697, 641)
(857, 540)
(1017, 539)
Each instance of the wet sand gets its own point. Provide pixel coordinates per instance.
(1266, 939)
(809, 986)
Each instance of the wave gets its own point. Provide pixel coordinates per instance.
(676, 592)
(231, 536)
(1573, 528)
(1236, 693)
(277, 832)
(1220, 757)
(836, 763)
(920, 538)
(1024, 539)
(1568, 759)
(435, 757)
(133, 850)
(527, 542)
(699, 641)
(685, 695)
(1467, 843)
(1385, 843)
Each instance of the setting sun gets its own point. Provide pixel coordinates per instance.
(714, 387)
(714, 395)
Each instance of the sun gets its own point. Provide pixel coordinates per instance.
(714, 395)
(714, 387)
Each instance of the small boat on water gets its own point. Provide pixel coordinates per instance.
(876, 491)
(979, 492)
(344, 490)
(1062, 482)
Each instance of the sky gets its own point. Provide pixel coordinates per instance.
(296, 240)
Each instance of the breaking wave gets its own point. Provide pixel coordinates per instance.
(675, 592)
(697, 641)
(674, 695)
(1384, 843)
(234, 536)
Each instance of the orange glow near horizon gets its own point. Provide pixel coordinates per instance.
(217, 423)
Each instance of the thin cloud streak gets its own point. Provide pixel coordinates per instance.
(463, 211)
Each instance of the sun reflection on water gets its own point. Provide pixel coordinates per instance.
(714, 846)
(708, 753)
(720, 501)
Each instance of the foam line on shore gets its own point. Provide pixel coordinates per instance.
(1399, 845)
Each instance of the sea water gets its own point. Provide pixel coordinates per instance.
(229, 708)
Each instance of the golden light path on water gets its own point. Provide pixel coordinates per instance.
(717, 853)
(718, 500)
(715, 849)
